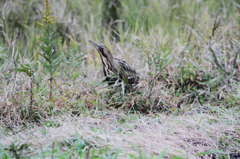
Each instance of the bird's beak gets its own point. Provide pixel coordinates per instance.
(95, 45)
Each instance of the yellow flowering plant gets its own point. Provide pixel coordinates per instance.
(51, 56)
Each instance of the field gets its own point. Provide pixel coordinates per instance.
(54, 102)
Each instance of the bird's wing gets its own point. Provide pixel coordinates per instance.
(127, 67)
(129, 70)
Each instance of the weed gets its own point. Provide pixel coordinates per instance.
(52, 57)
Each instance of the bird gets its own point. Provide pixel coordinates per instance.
(112, 65)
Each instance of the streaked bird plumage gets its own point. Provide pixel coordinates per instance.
(113, 65)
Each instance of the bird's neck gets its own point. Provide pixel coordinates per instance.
(114, 65)
(111, 60)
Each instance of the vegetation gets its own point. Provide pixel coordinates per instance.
(54, 102)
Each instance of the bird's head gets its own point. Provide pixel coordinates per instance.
(103, 51)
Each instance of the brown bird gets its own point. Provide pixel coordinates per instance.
(114, 65)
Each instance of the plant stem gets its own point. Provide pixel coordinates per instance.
(31, 91)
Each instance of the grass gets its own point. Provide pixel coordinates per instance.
(186, 104)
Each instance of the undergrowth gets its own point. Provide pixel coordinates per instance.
(186, 54)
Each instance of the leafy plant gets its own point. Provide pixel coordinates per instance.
(160, 60)
(17, 149)
(73, 61)
(29, 69)
(3, 152)
(51, 56)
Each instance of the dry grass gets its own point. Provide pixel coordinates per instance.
(181, 135)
